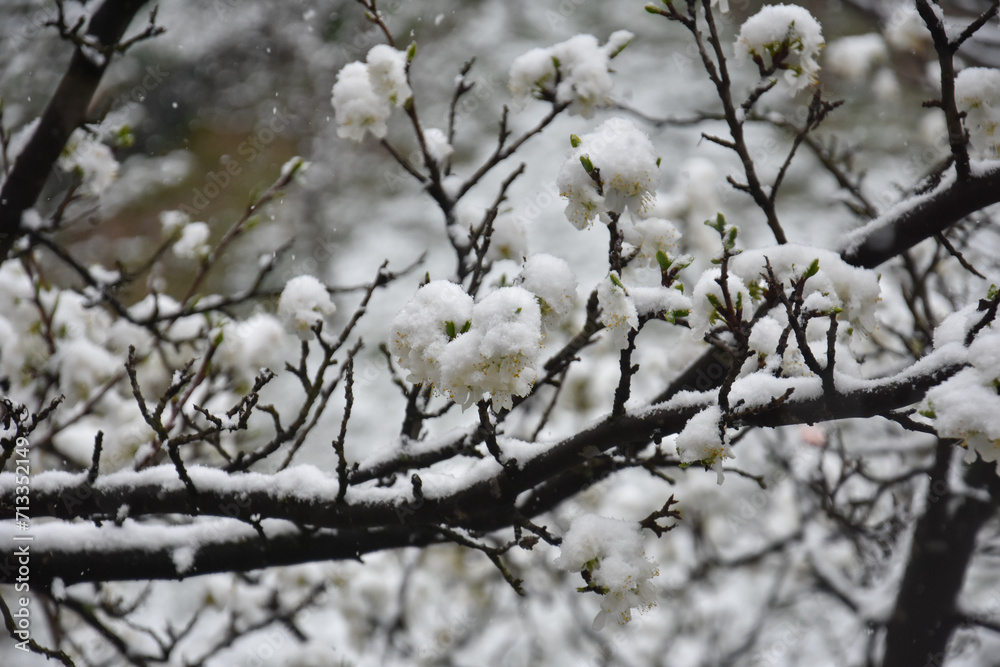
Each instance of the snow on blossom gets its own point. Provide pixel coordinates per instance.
(509, 239)
(652, 236)
(437, 144)
(618, 311)
(967, 406)
(835, 287)
(193, 242)
(552, 281)
(701, 441)
(303, 304)
(977, 93)
(387, 72)
(91, 159)
(613, 168)
(465, 349)
(437, 313)
(784, 29)
(356, 105)
(173, 221)
(579, 68)
(365, 93)
(83, 367)
(499, 354)
(260, 341)
(611, 552)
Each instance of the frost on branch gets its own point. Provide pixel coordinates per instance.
(783, 37)
(977, 93)
(304, 303)
(465, 349)
(609, 555)
(613, 168)
(576, 71)
(365, 93)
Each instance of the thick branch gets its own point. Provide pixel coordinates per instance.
(67, 110)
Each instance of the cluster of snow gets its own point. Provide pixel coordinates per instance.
(611, 554)
(787, 30)
(575, 71)
(365, 93)
(967, 405)
(193, 242)
(467, 349)
(618, 311)
(835, 287)
(509, 239)
(87, 156)
(977, 93)
(304, 303)
(612, 169)
(552, 281)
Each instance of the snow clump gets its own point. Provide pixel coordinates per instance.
(609, 553)
(467, 350)
(365, 93)
(786, 30)
(579, 68)
(303, 304)
(977, 93)
(613, 168)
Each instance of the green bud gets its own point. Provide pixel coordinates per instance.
(574, 140)
(411, 52)
(813, 268)
(663, 260)
(587, 164)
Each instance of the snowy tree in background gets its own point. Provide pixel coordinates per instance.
(499, 333)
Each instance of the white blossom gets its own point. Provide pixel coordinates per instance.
(784, 28)
(87, 156)
(193, 242)
(357, 106)
(468, 350)
(387, 72)
(618, 311)
(624, 161)
(303, 304)
(701, 441)
(580, 65)
(173, 221)
(365, 93)
(977, 93)
(611, 552)
(437, 144)
(552, 281)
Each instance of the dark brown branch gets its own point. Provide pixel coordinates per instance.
(66, 111)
